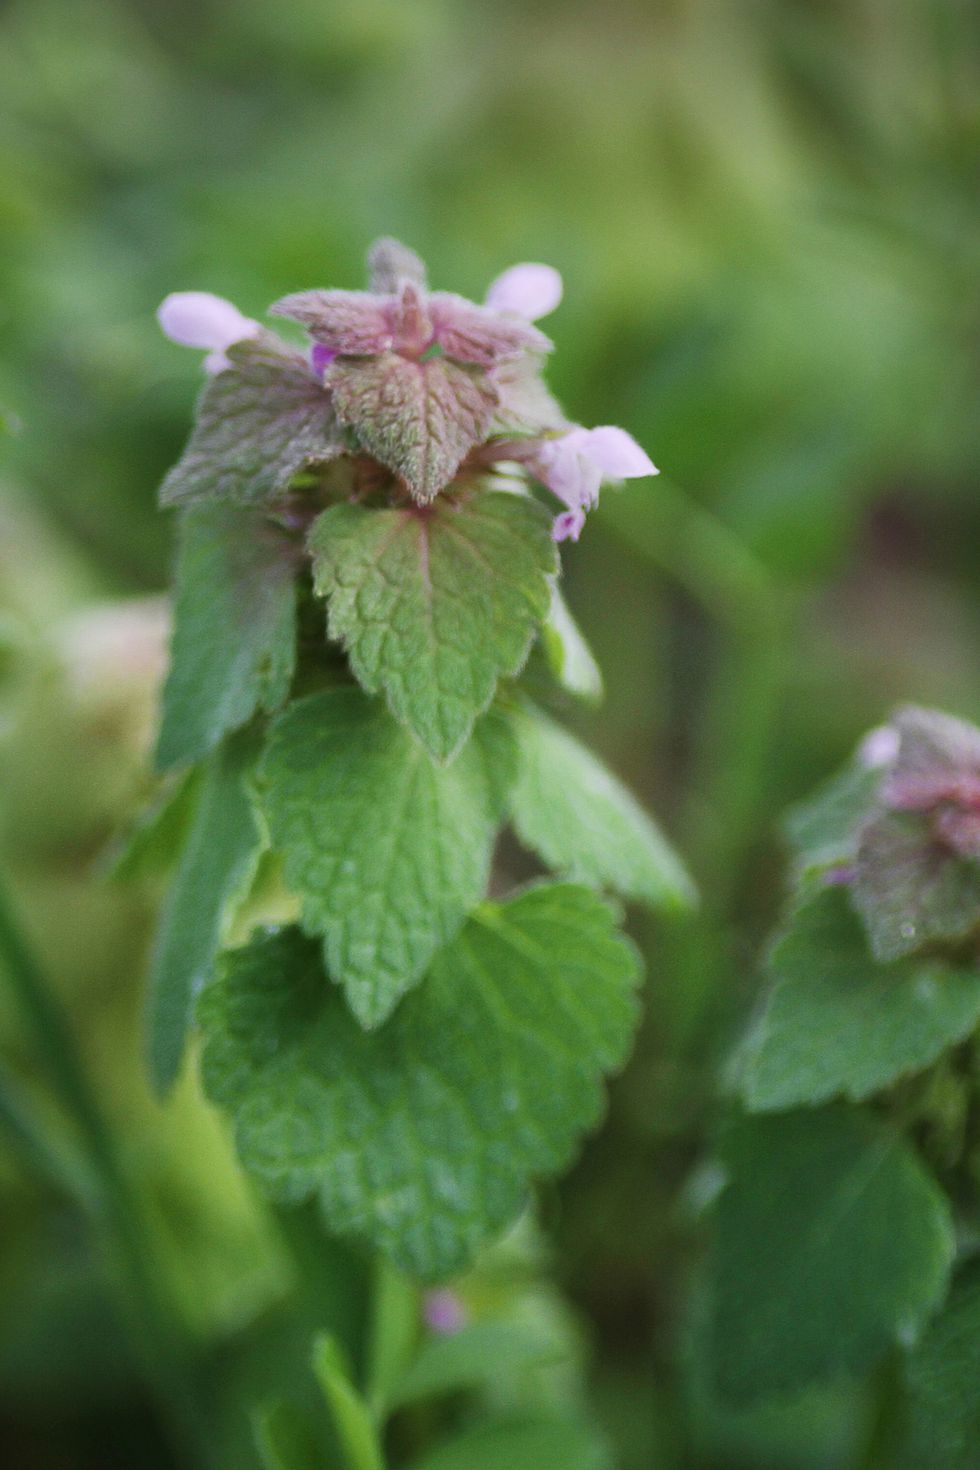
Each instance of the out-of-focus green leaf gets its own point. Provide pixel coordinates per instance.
(474, 1355)
(541, 1445)
(218, 862)
(836, 1021)
(942, 1380)
(352, 1420)
(154, 843)
(568, 808)
(823, 831)
(434, 606)
(832, 1244)
(285, 1439)
(234, 642)
(569, 656)
(424, 1134)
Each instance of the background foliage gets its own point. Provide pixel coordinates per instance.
(766, 218)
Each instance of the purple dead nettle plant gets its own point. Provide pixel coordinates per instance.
(474, 371)
(366, 563)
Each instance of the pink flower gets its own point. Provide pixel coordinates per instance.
(574, 466)
(528, 291)
(199, 319)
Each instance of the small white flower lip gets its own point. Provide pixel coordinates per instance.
(529, 290)
(201, 319)
(879, 747)
(617, 454)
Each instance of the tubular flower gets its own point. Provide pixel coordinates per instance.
(199, 319)
(575, 465)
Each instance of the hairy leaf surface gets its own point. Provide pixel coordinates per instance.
(233, 649)
(259, 423)
(421, 419)
(424, 1134)
(435, 606)
(386, 851)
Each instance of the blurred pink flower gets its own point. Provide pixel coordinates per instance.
(444, 1311)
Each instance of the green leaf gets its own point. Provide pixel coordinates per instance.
(423, 1135)
(386, 851)
(910, 890)
(259, 423)
(285, 1439)
(570, 810)
(351, 1418)
(543, 1445)
(942, 1382)
(832, 1243)
(569, 656)
(419, 418)
(218, 862)
(155, 841)
(838, 1022)
(234, 642)
(434, 606)
(473, 1356)
(823, 831)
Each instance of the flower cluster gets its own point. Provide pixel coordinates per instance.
(914, 865)
(431, 386)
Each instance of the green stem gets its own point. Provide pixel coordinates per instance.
(701, 555)
(110, 1202)
(39, 1156)
(880, 1443)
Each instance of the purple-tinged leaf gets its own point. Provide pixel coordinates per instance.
(420, 419)
(259, 423)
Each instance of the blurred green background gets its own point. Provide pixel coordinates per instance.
(766, 215)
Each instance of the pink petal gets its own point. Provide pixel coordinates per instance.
(879, 747)
(526, 290)
(567, 471)
(568, 525)
(199, 319)
(473, 334)
(617, 454)
(320, 358)
(216, 362)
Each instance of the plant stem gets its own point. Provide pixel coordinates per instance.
(110, 1202)
(38, 1155)
(701, 555)
(879, 1446)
